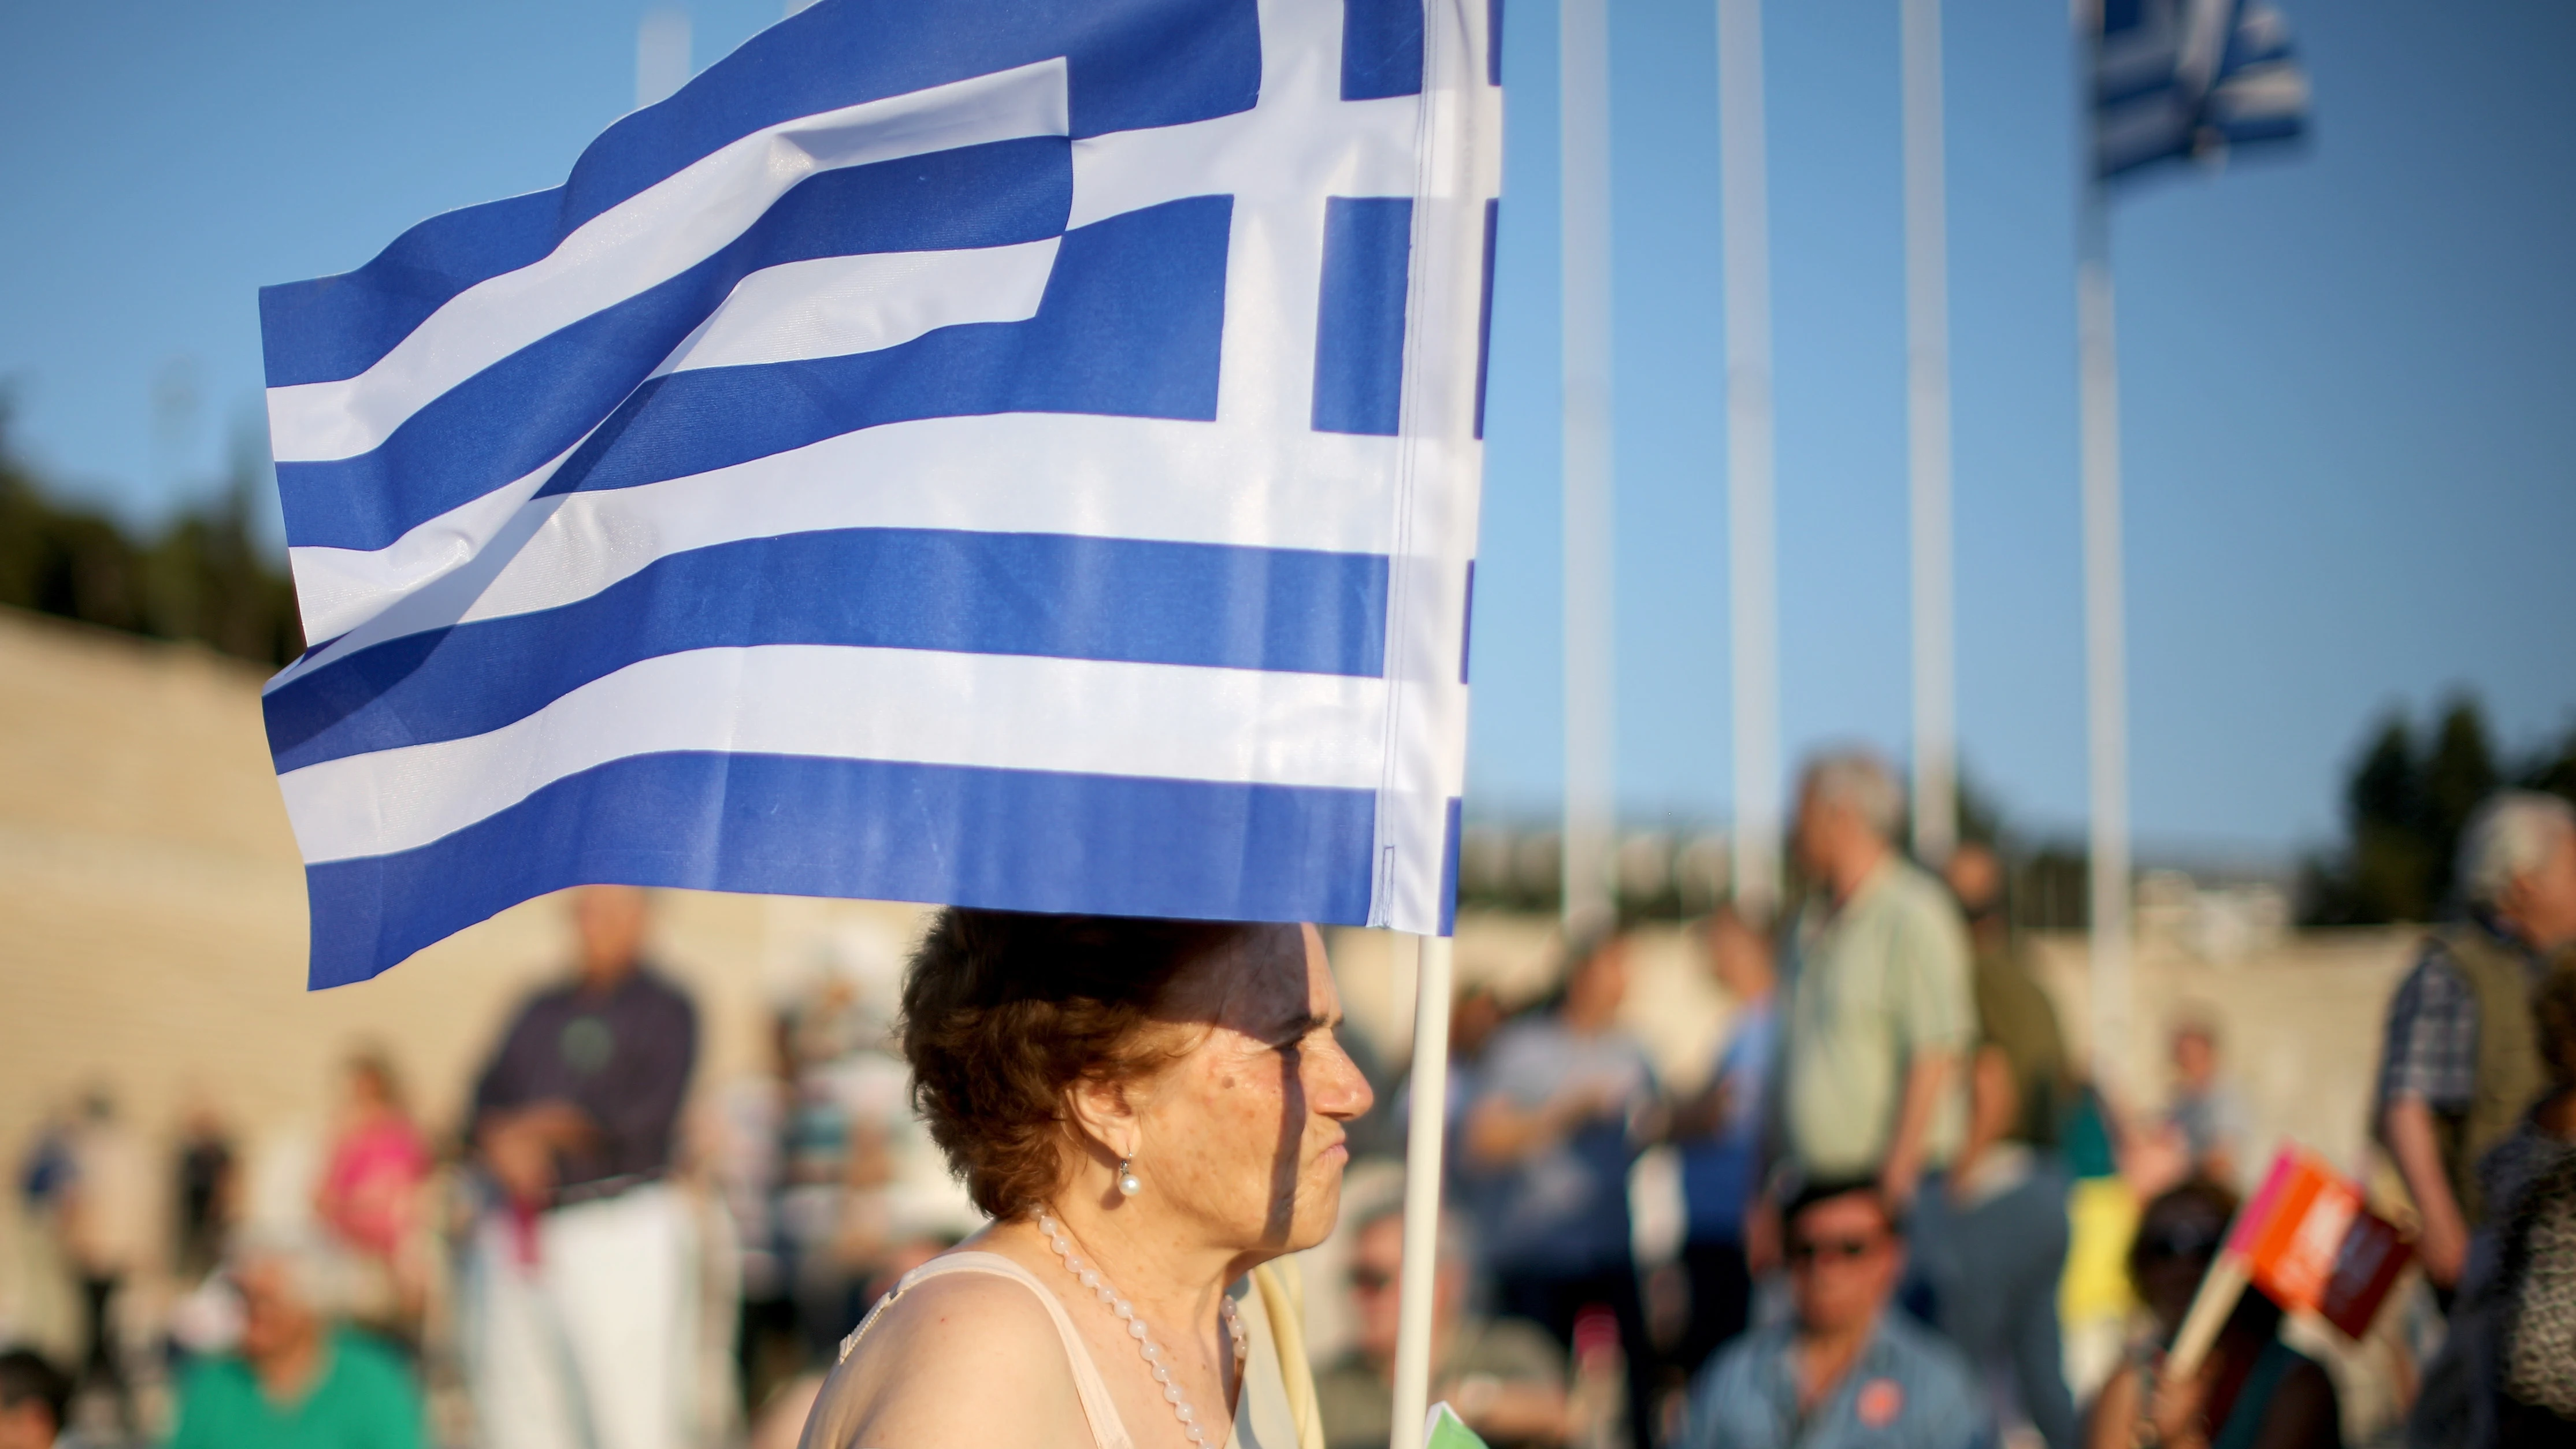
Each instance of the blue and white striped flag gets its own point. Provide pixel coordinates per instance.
(1021, 453)
(2178, 79)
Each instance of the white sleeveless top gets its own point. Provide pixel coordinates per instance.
(1262, 1419)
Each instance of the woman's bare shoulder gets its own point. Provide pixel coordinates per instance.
(960, 1358)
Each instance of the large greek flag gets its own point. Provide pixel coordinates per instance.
(2191, 78)
(1021, 453)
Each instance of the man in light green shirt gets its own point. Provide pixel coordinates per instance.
(1881, 1005)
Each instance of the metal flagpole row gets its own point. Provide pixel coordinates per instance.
(1927, 399)
(2105, 667)
(1584, 165)
(1422, 1178)
(1745, 239)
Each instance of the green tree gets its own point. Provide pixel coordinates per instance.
(2404, 808)
(205, 577)
(2553, 769)
(2458, 775)
(2388, 867)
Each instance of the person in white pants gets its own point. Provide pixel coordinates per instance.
(582, 1319)
(592, 1345)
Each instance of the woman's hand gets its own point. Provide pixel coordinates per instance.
(2174, 1413)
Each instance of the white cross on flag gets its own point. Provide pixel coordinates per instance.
(1018, 453)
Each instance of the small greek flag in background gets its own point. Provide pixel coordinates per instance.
(1019, 453)
(2176, 79)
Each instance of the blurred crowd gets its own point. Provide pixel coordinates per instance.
(1910, 1214)
(583, 1261)
(1914, 1216)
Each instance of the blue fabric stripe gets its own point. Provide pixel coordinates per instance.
(1449, 869)
(514, 415)
(1129, 63)
(2251, 129)
(1485, 310)
(1130, 324)
(1467, 623)
(1493, 42)
(1381, 49)
(1359, 327)
(982, 593)
(796, 825)
(337, 327)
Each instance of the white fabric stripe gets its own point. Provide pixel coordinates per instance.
(648, 238)
(829, 307)
(835, 306)
(1126, 171)
(1005, 711)
(1017, 472)
(332, 599)
(2268, 90)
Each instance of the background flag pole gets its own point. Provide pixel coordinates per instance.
(1745, 238)
(1422, 1178)
(2105, 665)
(1584, 167)
(1927, 397)
(2160, 82)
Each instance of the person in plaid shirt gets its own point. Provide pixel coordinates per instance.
(2459, 1064)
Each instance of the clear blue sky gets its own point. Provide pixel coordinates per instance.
(2350, 448)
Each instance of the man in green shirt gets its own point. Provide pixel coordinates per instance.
(298, 1381)
(1880, 1006)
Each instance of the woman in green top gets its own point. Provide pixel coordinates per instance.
(2252, 1392)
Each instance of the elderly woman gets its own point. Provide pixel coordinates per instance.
(1149, 1110)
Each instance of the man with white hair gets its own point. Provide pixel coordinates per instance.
(2460, 1063)
(299, 1378)
(1880, 1004)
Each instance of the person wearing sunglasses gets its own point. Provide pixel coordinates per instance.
(1504, 1376)
(1848, 1371)
(2252, 1391)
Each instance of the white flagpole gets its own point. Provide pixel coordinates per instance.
(2105, 666)
(661, 54)
(1745, 237)
(1927, 397)
(1584, 165)
(1423, 1141)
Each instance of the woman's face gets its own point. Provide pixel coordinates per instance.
(2173, 1250)
(1242, 1134)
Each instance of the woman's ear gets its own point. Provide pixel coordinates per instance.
(1103, 1112)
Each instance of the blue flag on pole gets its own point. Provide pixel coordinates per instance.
(1018, 453)
(2176, 79)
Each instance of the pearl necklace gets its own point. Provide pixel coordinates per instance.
(1145, 1345)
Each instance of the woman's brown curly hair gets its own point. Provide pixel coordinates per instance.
(1003, 1012)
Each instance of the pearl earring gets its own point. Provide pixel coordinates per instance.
(1128, 1186)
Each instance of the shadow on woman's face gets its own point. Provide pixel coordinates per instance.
(1243, 1131)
